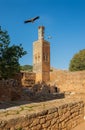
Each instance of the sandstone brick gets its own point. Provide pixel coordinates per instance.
(2, 123)
(69, 126)
(35, 122)
(37, 127)
(55, 127)
(42, 113)
(60, 112)
(49, 116)
(53, 121)
(42, 120)
(56, 114)
(12, 128)
(64, 129)
(52, 110)
(47, 124)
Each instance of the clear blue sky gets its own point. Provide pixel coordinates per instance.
(64, 20)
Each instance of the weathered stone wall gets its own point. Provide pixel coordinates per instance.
(68, 81)
(28, 79)
(10, 90)
(64, 80)
(53, 115)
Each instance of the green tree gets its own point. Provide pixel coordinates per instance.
(28, 68)
(9, 56)
(78, 61)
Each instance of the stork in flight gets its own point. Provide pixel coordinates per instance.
(31, 20)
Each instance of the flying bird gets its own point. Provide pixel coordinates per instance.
(31, 20)
(49, 37)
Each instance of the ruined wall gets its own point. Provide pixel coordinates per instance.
(10, 90)
(28, 79)
(60, 115)
(68, 81)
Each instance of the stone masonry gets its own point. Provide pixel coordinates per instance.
(68, 81)
(10, 90)
(52, 115)
(28, 79)
(41, 57)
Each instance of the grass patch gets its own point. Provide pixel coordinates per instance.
(17, 112)
(19, 128)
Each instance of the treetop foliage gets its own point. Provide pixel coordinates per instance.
(9, 56)
(78, 61)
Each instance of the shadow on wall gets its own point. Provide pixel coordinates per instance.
(42, 92)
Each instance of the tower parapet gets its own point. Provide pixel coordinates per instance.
(41, 32)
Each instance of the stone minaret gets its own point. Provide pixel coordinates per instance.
(41, 57)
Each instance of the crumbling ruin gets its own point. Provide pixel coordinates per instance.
(10, 90)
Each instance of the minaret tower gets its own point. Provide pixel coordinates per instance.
(41, 57)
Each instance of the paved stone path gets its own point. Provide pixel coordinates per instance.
(80, 127)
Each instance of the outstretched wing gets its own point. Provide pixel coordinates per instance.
(31, 20)
(36, 18)
(27, 21)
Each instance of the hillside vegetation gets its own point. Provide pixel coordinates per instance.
(28, 68)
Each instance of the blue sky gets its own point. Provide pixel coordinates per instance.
(64, 20)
